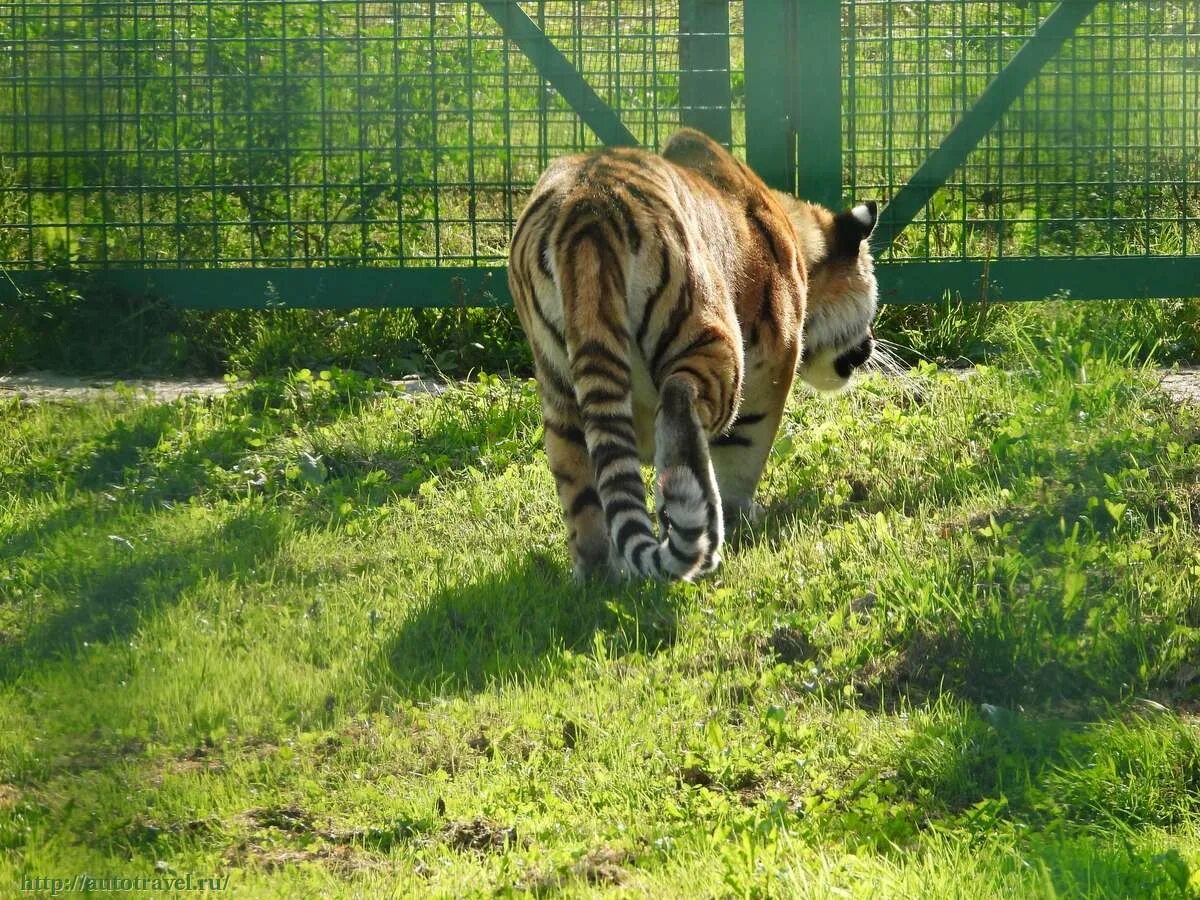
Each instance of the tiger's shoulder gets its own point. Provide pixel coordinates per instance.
(698, 154)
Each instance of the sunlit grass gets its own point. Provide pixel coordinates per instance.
(321, 636)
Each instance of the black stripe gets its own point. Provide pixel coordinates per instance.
(585, 214)
(627, 483)
(568, 242)
(705, 380)
(766, 312)
(612, 310)
(622, 505)
(765, 233)
(613, 301)
(597, 370)
(640, 552)
(602, 395)
(570, 433)
(731, 440)
(664, 279)
(550, 378)
(632, 234)
(585, 170)
(617, 424)
(527, 217)
(562, 478)
(679, 554)
(683, 302)
(604, 455)
(543, 253)
(627, 531)
(530, 211)
(584, 499)
(559, 337)
(598, 350)
(706, 337)
(668, 334)
(691, 535)
(610, 269)
(675, 497)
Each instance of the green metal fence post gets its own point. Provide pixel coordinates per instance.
(705, 92)
(818, 96)
(770, 150)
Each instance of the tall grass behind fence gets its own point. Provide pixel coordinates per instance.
(1101, 156)
(217, 133)
(223, 133)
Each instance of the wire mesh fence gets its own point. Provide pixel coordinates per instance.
(217, 133)
(1097, 157)
(350, 135)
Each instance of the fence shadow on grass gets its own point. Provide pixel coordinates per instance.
(522, 620)
(999, 771)
(105, 583)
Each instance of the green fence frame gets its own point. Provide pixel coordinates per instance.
(795, 137)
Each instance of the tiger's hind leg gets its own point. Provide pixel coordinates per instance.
(739, 457)
(574, 477)
(740, 453)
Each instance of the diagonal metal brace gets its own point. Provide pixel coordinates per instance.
(992, 104)
(558, 71)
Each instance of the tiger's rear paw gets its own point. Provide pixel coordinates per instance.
(747, 512)
(711, 564)
(596, 561)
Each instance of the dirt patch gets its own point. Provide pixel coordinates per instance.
(916, 669)
(292, 819)
(198, 759)
(572, 733)
(300, 823)
(602, 867)
(147, 831)
(482, 744)
(340, 859)
(479, 835)
(99, 755)
(10, 796)
(256, 747)
(193, 766)
(790, 645)
(52, 386)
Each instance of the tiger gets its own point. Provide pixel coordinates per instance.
(669, 300)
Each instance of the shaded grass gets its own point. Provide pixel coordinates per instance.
(78, 331)
(320, 636)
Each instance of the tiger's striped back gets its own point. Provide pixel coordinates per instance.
(647, 285)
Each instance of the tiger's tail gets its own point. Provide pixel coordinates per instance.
(592, 283)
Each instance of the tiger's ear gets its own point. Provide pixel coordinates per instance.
(854, 226)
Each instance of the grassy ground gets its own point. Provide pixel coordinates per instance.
(319, 636)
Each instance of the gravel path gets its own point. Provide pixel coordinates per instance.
(1182, 384)
(52, 386)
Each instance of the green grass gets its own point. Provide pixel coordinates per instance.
(319, 636)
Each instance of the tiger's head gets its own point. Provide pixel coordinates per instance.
(842, 293)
